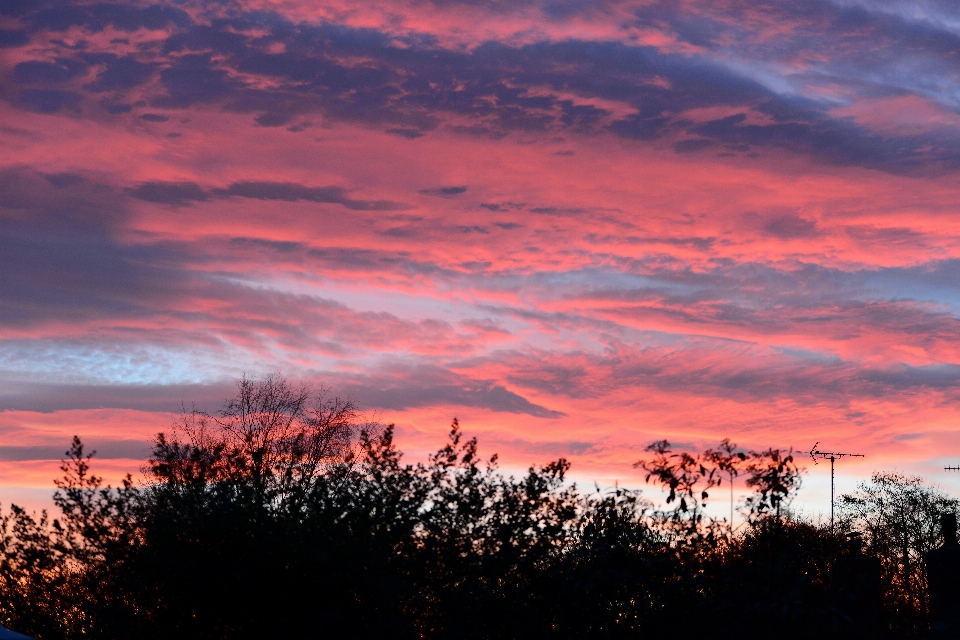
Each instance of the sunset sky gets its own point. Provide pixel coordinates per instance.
(578, 226)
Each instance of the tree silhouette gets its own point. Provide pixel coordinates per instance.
(728, 459)
(687, 479)
(775, 479)
(287, 514)
(898, 517)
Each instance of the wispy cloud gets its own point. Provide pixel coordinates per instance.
(577, 225)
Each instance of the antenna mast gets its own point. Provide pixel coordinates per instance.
(832, 456)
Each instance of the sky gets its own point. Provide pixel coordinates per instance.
(579, 227)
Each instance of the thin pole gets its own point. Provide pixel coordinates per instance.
(731, 503)
(832, 458)
(832, 455)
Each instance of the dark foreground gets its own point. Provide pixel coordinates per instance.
(285, 517)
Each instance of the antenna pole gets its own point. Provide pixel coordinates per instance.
(832, 456)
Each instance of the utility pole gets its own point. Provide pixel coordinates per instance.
(832, 456)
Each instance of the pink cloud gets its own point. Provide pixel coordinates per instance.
(578, 229)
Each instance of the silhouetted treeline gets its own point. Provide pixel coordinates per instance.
(286, 516)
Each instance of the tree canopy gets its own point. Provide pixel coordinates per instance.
(287, 514)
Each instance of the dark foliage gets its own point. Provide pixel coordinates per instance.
(286, 516)
(899, 518)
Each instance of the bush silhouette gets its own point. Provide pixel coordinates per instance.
(286, 515)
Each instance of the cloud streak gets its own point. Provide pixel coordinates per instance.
(577, 226)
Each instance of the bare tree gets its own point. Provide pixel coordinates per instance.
(277, 436)
(899, 517)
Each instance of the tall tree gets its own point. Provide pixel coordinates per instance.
(898, 517)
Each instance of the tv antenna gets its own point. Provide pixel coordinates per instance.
(832, 456)
(951, 468)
